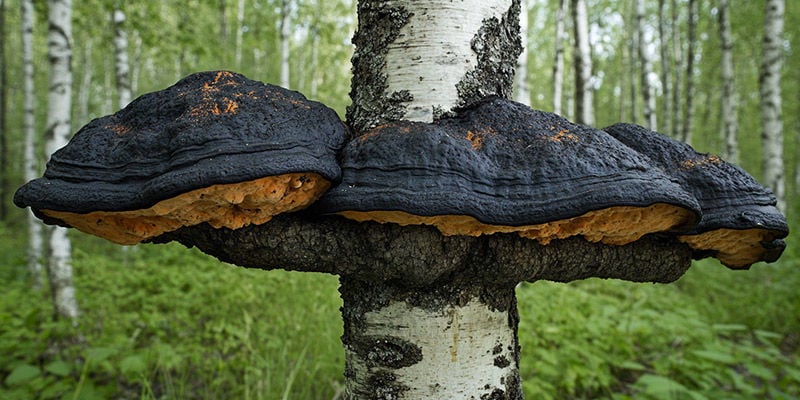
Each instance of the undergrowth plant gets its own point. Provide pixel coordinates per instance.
(159, 322)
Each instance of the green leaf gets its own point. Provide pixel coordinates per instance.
(716, 356)
(58, 368)
(633, 365)
(21, 374)
(132, 365)
(99, 353)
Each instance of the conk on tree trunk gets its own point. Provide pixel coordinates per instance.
(444, 198)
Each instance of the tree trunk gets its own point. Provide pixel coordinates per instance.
(522, 93)
(312, 91)
(121, 64)
(59, 265)
(677, 83)
(729, 101)
(771, 101)
(447, 341)
(688, 111)
(223, 23)
(666, 83)
(633, 66)
(31, 164)
(85, 86)
(648, 93)
(284, 39)
(239, 33)
(584, 87)
(558, 65)
(4, 189)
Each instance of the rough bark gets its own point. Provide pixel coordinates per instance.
(522, 94)
(284, 32)
(646, 65)
(419, 60)
(688, 110)
(729, 102)
(584, 87)
(558, 65)
(31, 167)
(59, 263)
(121, 64)
(771, 101)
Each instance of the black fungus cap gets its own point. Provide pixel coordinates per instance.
(501, 163)
(209, 128)
(730, 198)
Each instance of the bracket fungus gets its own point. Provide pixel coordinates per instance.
(215, 147)
(740, 225)
(501, 167)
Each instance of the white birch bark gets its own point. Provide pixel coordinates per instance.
(31, 168)
(239, 33)
(558, 64)
(522, 94)
(677, 83)
(633, 66)
(729, 100)
(771, 101)
(648, 92)
(314, 62)
(666, 83)
(284, 42)
(85, 86)
(433, 52)
(121, 64)
(584, 90)
(59, 265)
(688, 110)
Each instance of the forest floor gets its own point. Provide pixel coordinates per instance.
(161, 322)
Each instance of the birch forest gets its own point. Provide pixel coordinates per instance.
(84, 319)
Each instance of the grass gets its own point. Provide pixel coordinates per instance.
(164, 322)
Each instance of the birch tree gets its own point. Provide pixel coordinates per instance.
(284, 32)
(729, 101)
(522, 93)
(34, 251)
(648, 92)
(121, 64)
(584, 90)
(677, 83)
(3, 114)
(688, 110)
(59, 38)
(239, 33)
(666, 109)
(771, 101)
(558, 64)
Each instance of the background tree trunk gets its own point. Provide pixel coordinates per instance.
(730, 125)
(646, 65)
(59, 263)
(31, 162)
(284, 39)
(771, 101)
(632, 64)
(584, 90)
(666, 82)
(4, 189)
(688, 110)
(121, 64)
(558, 65)
(677, 83)
(239, 33)
(522, 94)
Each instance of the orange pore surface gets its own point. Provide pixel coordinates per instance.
(615, 225)
(231, 206)
(735, 248)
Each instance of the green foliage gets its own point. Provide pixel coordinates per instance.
(714, 334)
